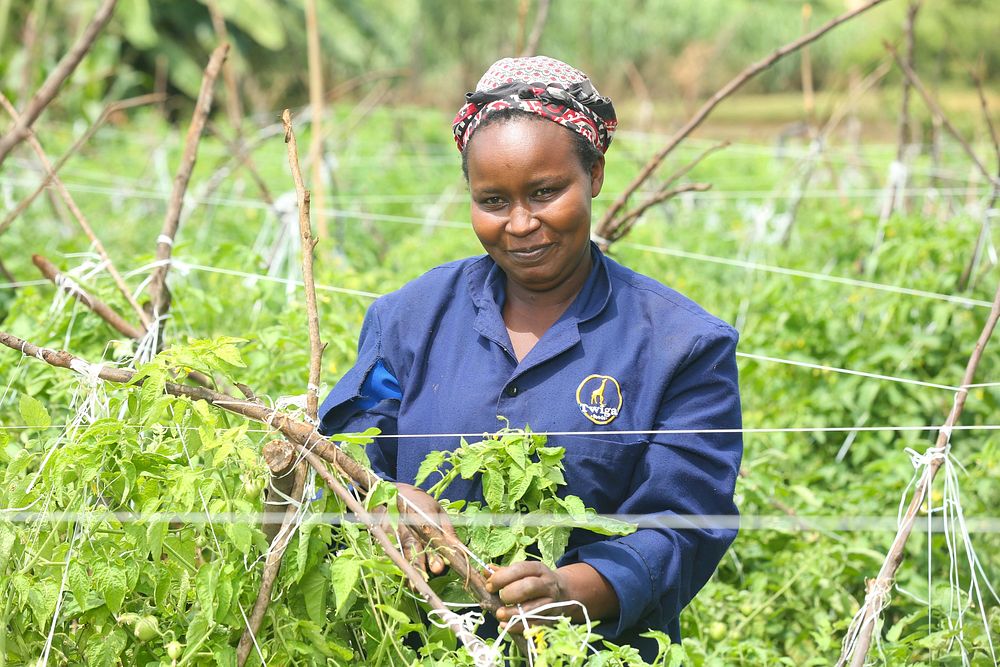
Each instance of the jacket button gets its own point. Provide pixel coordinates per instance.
(511, 390)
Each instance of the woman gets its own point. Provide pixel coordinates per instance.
(546, 331)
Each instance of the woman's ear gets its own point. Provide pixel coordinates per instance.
(597, 176)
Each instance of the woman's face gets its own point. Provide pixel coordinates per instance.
(531, 201)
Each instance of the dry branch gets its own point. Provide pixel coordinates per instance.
(110, 109)
(81, 219)
(724, 92)
(859, 636)
(984, 226)
(159, 298)
(936, 111)
(316, 99)
(297, 432)
(903, 129)
(54, 81)
(272, 566)
(541, 16)
(472, 643)
(613, 230)
(101, 309)
(308, 246)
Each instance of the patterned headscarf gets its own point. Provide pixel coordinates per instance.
(544, 86)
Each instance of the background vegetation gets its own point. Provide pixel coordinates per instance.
(397, 206)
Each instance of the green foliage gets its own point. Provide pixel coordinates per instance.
(520, 478)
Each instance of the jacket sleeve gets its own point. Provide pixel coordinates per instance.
(367, 396)
(657, 571)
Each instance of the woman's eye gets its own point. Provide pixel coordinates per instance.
(542, 193)
(493, 201)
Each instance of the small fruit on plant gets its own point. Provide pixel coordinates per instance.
(174, 649)
(717, 631)
(252, 486)
(146, 628)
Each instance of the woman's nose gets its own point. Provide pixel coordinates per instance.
(522, 221)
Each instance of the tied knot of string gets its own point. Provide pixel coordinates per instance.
(897, 173)
(932, 454)
(877, 596)
(92, 372)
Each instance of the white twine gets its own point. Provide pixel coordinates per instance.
(163, 238)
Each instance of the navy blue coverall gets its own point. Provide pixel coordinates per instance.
(628, 355)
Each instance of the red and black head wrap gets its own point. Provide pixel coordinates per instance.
(544, 86)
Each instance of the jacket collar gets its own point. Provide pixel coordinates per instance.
(487, 288)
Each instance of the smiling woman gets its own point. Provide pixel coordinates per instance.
(549, 333)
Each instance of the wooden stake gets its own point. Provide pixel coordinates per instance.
(724, 92)
(159, 297)
(272, 567)
(308, 245)
(860, 633)
(54, 81)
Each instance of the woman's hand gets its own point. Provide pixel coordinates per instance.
(530, 585)
(424, 559)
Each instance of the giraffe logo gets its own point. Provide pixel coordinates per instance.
(599, 398)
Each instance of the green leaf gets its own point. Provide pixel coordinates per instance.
(393, 613)
(110, 582)
(199, 628)
(33, 412)
(314, 588)
(499, 542)
(229, 354)
(430, 464)
(493, 489)
(472, 461)
(103, 650)
(205, 585)
(344, 573)
(552, 543)
(225, 656)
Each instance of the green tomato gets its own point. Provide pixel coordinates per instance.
(252, 486)
(174, 649)
(147, 628)
(717, 631)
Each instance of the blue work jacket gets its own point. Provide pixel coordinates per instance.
(628, 355)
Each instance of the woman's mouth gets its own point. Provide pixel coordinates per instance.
(529, 255)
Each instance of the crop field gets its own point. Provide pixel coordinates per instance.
(130, 531)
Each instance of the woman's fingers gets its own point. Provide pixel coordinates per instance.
(503, 577)
(412, 549)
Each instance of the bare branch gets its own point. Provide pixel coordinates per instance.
(316, 99)
(541, 16)
(308, 245)
(158, 296)
(54, 81)
(101, 309)
(724, 92)
(609, 231)
(272, 566)
(859, 635)
(110, 109)
(984, 105)
(233, 107)
(81, 219)
(298, 433)
(936, 111)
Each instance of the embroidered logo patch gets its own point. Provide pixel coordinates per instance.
(599, 398)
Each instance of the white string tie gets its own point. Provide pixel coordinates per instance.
(298, 401)
(163, 238)
(932, 454)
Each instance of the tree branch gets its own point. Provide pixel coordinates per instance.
(316, 99)
(541, 16)
(298, 433)
(81, 219)
(101, 309)
(936, 111)
(159, 298)
(110, 109)
(54, 81)
(272, 566)
(308, 246)
(724, 92)
(859, 635)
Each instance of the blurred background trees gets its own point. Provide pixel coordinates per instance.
(672, 52)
